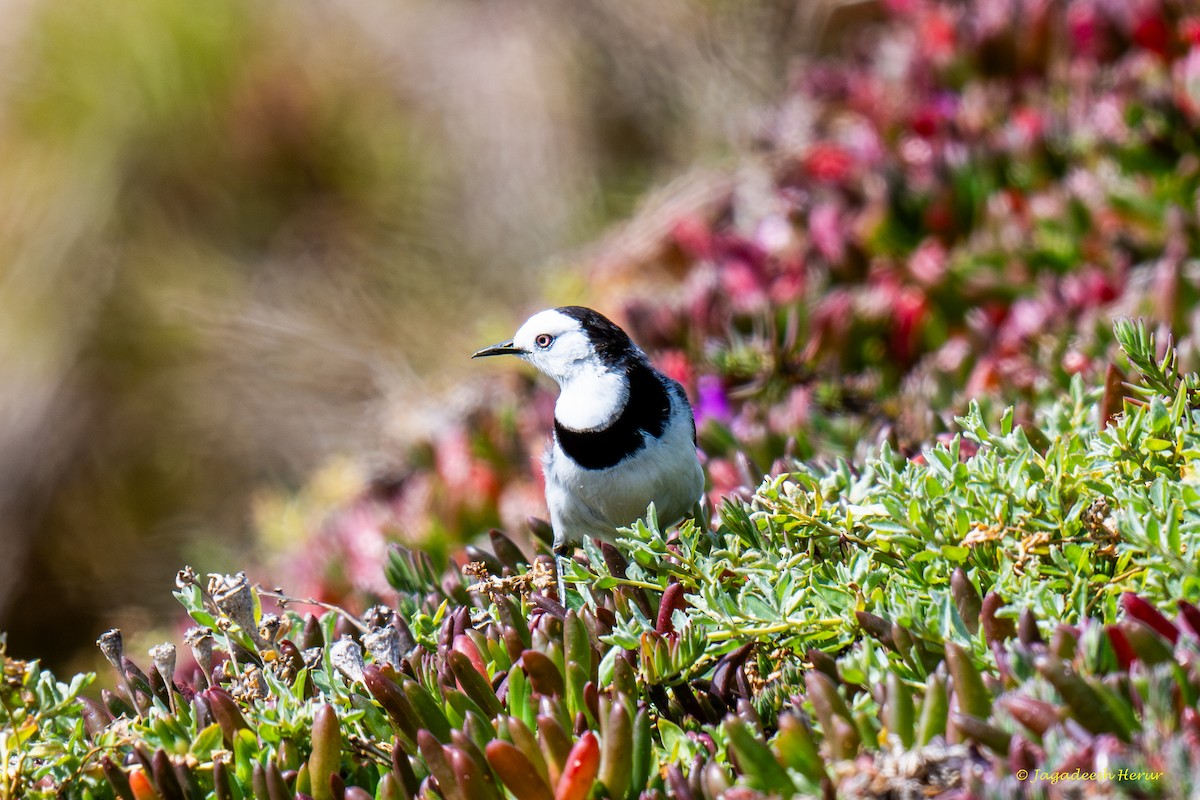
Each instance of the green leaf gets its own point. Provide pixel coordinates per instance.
(206, 742)
(763, 772)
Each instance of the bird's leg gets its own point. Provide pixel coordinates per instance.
(701, 513)
(562, 551)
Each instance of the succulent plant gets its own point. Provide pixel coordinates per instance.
(1008, 609)
(824, 637)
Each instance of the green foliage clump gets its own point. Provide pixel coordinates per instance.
(979, 616)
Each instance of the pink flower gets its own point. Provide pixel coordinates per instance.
(1026, 318)
(1186, 75)
(1075, 362)
(1025, 128)
(744, 286)
(984, 378)
(830, 320)
(725, 479)
(774, 234)
(363, 547)
(928, 262)
(899, 7)
(743, 273)
(452, 457)
(1088, 288)
(826, 230)
(694, 237)
(519, 501)
(861, 139)
(793, 414)
(788, 286)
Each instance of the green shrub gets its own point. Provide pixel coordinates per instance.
(987, 611)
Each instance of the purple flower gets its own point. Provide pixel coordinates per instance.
(711, 400)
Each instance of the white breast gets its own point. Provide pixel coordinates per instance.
(591, 398)
(594, 503)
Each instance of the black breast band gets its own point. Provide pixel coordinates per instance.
(645, 414)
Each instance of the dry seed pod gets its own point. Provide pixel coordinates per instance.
(383, 643)
(235, 598)
(346, 655)
(200, 640)
(112, 646)
(163, 656)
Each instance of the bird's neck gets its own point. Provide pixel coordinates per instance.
(591, 398)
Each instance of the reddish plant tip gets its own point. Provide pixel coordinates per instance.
(579, 773)
(1147, 614)
(142, 788)
(464, 645)
(672, 600)
(1121, 646)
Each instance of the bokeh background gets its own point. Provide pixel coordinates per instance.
(240, 240)
(248, 249)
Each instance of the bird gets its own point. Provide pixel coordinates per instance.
(624, 434)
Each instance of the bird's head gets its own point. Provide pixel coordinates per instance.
(568, 341)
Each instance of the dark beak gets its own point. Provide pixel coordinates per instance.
(502, 349)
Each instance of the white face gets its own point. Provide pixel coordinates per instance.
(592, 396)
(555, 344)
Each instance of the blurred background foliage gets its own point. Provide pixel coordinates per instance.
(240, 240)
(249, 251)
(950, 204)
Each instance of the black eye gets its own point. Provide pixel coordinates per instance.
(544, 340)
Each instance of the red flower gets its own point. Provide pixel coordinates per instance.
(1083, 29)
(1025, 128)
(1189, 30)
(925, 122)
(675, 364)
(908, 314)
(937, 36)
(1152, 33)
(1088, 288)
(828, 162)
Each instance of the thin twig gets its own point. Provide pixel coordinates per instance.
(285, 600)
